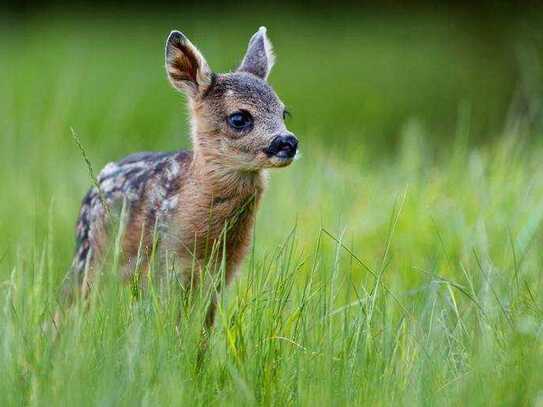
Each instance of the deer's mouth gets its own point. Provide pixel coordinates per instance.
(280, 160)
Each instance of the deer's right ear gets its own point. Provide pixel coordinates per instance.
(186, 67)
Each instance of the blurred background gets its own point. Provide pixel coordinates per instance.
(357, 73)
(360, 81)
(398, 261)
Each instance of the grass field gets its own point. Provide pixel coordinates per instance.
(399, 261)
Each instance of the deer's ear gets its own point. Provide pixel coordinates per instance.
(186, 67)
(259, 57)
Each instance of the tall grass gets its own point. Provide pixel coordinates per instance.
(438, 303)
(408, 278)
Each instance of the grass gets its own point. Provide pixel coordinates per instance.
(404, 270)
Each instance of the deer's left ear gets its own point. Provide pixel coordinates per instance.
(259, 57)
(186, 67)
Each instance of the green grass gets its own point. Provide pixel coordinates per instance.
(398, 261)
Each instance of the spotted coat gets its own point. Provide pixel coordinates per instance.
(147, 182)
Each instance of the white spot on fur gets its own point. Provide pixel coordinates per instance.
(169, 204)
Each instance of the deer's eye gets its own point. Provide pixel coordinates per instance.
(241, 120)
(286, 114)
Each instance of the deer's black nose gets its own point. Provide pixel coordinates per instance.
(283, 147)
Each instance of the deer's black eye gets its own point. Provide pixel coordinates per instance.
(286, 114)
(241, 120)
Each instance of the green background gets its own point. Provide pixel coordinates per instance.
(398, 261)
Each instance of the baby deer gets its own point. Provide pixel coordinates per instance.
(199, 205)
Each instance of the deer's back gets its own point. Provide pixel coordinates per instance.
(146, 185)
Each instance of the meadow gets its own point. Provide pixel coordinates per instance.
(398, 261)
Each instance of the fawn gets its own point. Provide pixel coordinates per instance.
(199, 204)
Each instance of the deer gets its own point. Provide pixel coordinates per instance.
(198, 205)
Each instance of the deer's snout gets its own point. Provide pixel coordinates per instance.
(283, 147)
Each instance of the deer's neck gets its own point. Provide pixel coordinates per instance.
(215, 181)
(212, 199)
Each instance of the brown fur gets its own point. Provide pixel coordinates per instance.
(205, 202)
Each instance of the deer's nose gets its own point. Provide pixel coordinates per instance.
(283, 146)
